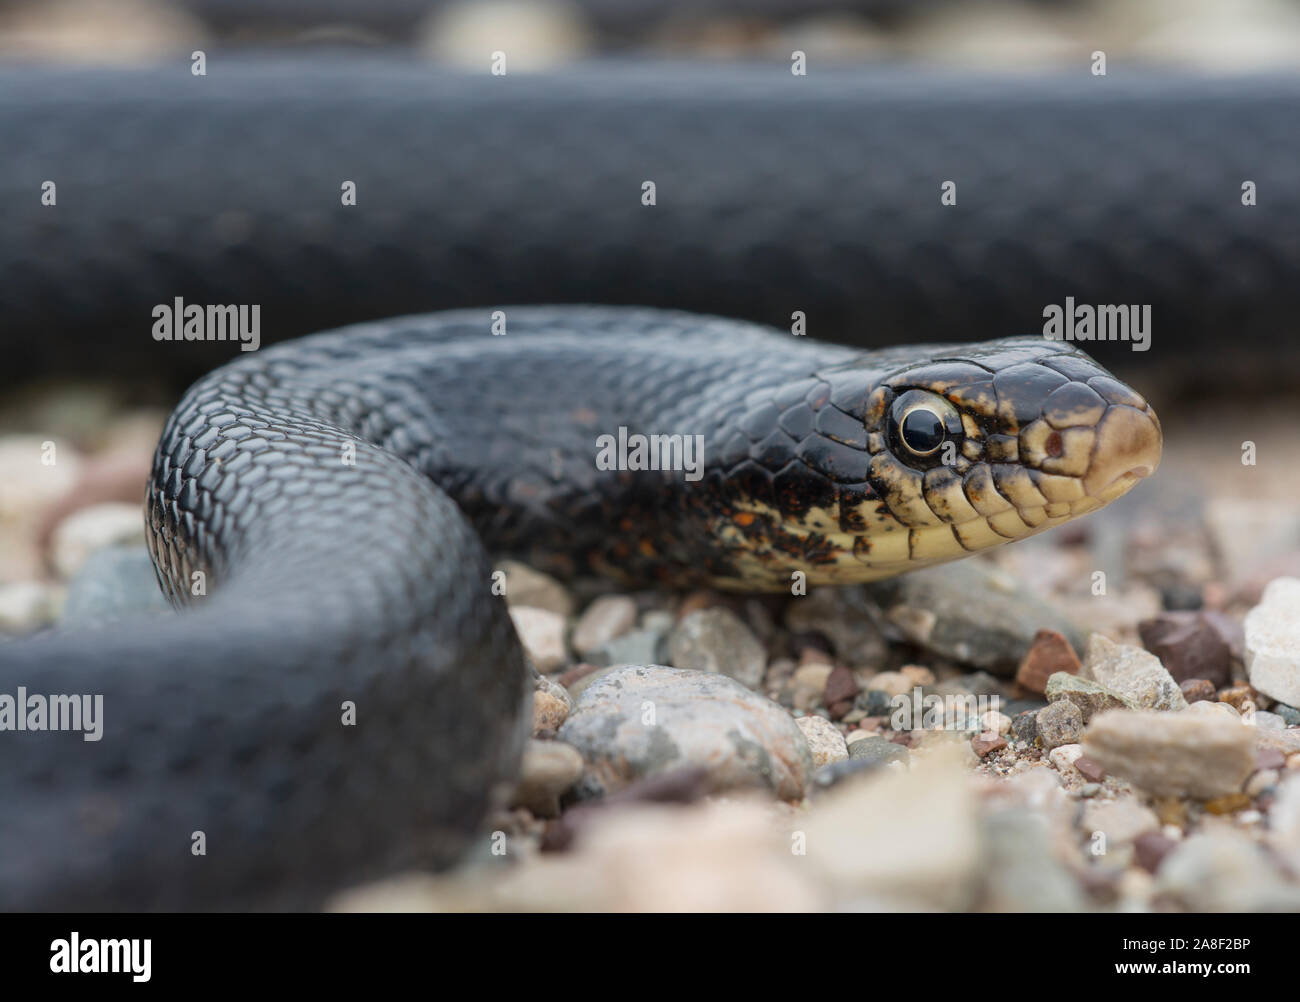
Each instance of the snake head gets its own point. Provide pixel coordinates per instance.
(909, 459)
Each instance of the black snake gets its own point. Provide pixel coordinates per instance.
(336, 498)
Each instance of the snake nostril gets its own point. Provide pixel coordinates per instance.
(1053, 446)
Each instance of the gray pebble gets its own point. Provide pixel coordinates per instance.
(715, 640)
(113, 583)
(1058, 724)
(878, 750)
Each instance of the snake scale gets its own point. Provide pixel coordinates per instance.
(343, 496)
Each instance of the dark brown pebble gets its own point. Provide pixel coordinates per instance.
(986, 744)
(1189, 645)
(838, 710)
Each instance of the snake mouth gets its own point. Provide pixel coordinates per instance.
(1127, 449)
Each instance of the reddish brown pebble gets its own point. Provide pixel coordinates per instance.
(1089, 769)
(1150, 849)
(903, 738)
(1226, 805)
(1269, 758)
(1196, 690)
(840, 687)
(987, 743)
(1049, 653)
(1189, 645)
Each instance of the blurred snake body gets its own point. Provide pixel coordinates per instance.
(341, 498)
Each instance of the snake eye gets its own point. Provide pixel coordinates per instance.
(920, 423)
(921, 430)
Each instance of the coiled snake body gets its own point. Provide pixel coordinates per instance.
(338, 496)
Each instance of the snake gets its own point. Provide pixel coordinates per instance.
(341, 498)
(341, 694)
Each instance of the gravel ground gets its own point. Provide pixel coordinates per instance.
(1101, 718)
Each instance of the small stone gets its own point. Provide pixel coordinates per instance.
(25, 606)
(1089, 789)
(1089, 769)
(542, 634)
(1289, 714)
(1057, 724)
(917, 675)
(875, 703)
(877, 749)
(1150, 849)
(1090, 697)
(1024, 726)
(1272, 632)
(1197, 689)
(606, 619)
(1173, 754)
(548, 769)
(892, 683)
(551, 705)
(715, 640)
(696, 719)
(1222, 870)
(834, 773)
(1269, 721)
(1189, 645)
(1049, 653)
(1121, 820)
(970, 612)
(1064, 757)
(808, 685)
(1241, 697)
(1133, 673)
(535, 590)
(1227, 804)
(637, 647)
(824, 740)
(114, 583)
(91, 529)
(998, 723)
(985, 744)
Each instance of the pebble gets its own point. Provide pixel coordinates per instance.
(113, 583)
(1242, 697)
(542, 634)
(1122, 821)
(607, 618)
(1064, 757)
(998, 723)
(1020, 870)
(824, 740)
(971, 612)
(874, 748)
(29, 482)
(899, 840)
(91, 529)
(1227, 804)
(551, 705)
(549, 768)
(1261, 782)
(1272, 632)
(891, 683)
(527, 587)
(535, 35)
(638, 721)
(1221, 870)
(715, 640)
(26, 606)
(1197, 689)
(1090, 697)
(1190, 645)
(987, 743)
(1089, 769)
(1289, 714)
(808, 684)
(1050, 652)
(1057, 724)
(637, 647)
(834, 773)
(1173, 754)
(874, 702)
(1135, 674)
(1024, 726)
(840, 691)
